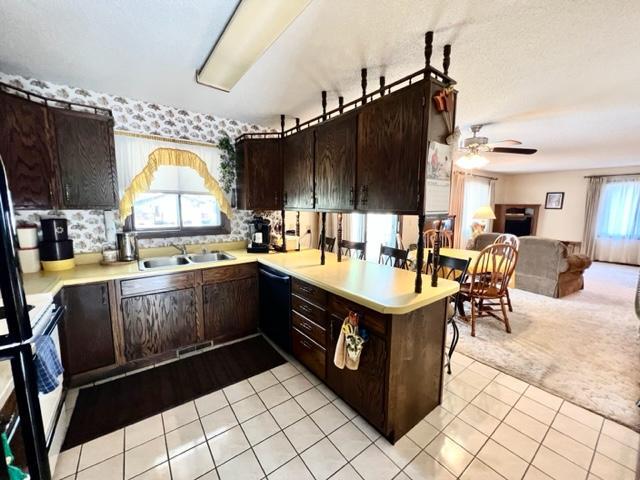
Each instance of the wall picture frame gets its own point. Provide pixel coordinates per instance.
(554, 201)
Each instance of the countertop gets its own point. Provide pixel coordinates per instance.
(382, 288)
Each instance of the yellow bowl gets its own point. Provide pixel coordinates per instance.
(57, 265)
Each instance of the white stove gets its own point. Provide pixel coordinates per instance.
(42, 304)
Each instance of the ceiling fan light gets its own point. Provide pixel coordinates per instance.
(471, 161)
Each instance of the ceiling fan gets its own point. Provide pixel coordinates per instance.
(475, 146)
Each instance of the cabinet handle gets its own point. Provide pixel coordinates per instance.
(351, 196)
(67, 192)
(366, 194)
(285, 198)
(103, 291)
(306, 326)
(305, 309)
(306, 289)
(305, 344)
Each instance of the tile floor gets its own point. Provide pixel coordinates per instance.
(285, 424)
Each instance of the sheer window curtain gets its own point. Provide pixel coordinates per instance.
(478, 192)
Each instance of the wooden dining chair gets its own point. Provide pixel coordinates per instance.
(394, 257)
(329, 243)
(488, 281)
(353, 249)
(509, 239)
(446, 238)
(452, 269)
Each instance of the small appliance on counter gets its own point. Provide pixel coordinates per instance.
(28, 247)
(127, 246)
(56, 249)
(260, 235)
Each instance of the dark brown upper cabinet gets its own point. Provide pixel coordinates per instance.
(27, 147)
(336, 163)
(260, 174)
(389, 151)
(86, 160)
(298, 157)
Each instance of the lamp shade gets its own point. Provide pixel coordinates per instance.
(484, 213)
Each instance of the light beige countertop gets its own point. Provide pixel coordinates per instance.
(381, 288)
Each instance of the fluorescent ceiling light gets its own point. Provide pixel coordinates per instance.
(254, 26)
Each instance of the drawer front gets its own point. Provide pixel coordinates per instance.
(311, 293)
(309, 353)
(232, 272)
(371, 319)
(309, 310)
(309, 328)
(161, 283)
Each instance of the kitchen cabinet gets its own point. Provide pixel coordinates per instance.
(86, 160)
(335, 155)
(259, 174)
(390, 147)
(298, 160)
(27, 148)
(86, 332)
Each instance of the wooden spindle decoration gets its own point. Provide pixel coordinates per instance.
(436, 255)
(340, 104)
(420, 253)
(298, 229)
(428, 50)
(284, 227)
(324, 105)
(323, 232)
(297, 124)
(281, 123)
(339, 237)
(446, 60)
(382, 85)
(363, 82)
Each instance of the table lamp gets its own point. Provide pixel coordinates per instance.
(484, 214)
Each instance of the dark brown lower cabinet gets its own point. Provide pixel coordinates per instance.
(159, 322)
(230, 309)
(85, 333)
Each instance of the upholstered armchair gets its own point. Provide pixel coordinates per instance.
(481, 241)
(545, 267)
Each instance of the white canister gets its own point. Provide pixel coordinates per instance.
(29, 260)
(27, 237)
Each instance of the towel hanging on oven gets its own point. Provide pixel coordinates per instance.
(350, 343)
(48, 366)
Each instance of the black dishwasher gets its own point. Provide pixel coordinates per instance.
(275, 306)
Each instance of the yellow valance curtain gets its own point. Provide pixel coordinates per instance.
(177, 158)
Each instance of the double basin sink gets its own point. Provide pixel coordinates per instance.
(175, 260)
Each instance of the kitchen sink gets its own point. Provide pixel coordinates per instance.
(210, 257)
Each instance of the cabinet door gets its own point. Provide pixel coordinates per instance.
(389, 151)
(230, 309)
(86, 336)
(27, 147)
(159, 322)
(298, 170)
(336, 163)
(363, 389)
(262, 175)
(86, 158)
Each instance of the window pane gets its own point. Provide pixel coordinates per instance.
(199, 211)
(156, 211)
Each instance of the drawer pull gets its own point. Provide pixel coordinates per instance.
(305, 309)
(305, 344)
(306, 289)
(306, 326)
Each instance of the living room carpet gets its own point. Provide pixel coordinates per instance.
(584, 347)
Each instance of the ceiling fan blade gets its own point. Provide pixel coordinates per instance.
(508, 142)
(518, 151)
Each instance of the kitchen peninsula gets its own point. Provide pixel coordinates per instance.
(116, 310)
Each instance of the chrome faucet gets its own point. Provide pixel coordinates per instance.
(181, 248)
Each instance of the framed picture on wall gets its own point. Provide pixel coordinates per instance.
(554, 200)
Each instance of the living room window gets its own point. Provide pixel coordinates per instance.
(619, 210)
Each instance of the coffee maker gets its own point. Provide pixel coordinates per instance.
(260, 235)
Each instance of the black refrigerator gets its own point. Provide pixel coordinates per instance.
(16, 345)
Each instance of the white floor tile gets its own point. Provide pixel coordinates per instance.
(297, 384)
(192, 464)
(273, 396)
(346, 473)
(228, 444)
(67, 463)
(606, 469)
(527, 425)
(183, 438)
(491, 405)
(327, 392)
(463, 359)
(372, 464)
(312, 400)
(449, 453)
(274, 452)
(425, 467)
(260, 427)
(218, 422)
(520, 444)
(402, 453)
(439, 418)
(346, 410)
(502, 461)
(143, 431)
(323, 459)
(238, 391)
(287, 413)
(143, 457)
(111, 468)
(284, 371)
(479, 471)
(617, 451)
(303, 434)
(479, 419)
(101, 448)
(568, 448)
(350, 440)
(534, 474)
(423, 433)
(160, 472)
(262, 381)
(179, 416)
(545, 398)
(536, 410)
(582, 415)
(211, 475)
(622, 434)
(474, 379)
(453, 403)
(329, 418)
(462, 389)
(484, 370)
(248, 407)
(210, 403)
(511, 382)
(465, 435)
(295, 469)
(502, 393)
(366, 428)
(576, 430)
(556, 466)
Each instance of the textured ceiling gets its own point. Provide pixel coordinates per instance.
(559, 75)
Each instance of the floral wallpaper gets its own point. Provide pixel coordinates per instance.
(87, 227)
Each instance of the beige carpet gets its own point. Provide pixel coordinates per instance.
(583, 347)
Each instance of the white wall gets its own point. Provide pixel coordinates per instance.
(565, 224)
